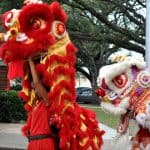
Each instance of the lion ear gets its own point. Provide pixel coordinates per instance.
(58, 13)
(58, 29)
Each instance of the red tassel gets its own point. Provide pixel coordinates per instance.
(40, 68)
(27, 107)
(23, 96)
(15, 69)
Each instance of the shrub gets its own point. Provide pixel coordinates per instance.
(11, 107)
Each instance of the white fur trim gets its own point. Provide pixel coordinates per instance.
(138, 64)
(116, 110)
(6, 36)
(141, 118)
(110, 71)
(21, 37)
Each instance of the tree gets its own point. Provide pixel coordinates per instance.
(100, 27)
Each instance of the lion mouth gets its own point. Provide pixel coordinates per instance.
(124, 122)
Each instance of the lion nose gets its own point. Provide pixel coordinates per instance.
(11, 34)
(13, 31)
(100, 92)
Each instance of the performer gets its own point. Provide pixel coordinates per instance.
(125, 92)
(37, 127)
(40, 29)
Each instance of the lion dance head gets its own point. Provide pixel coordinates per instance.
(124, 88)
(31, 30)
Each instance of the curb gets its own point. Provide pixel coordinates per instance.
(6, 148)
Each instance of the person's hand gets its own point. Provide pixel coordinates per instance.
(31, 62)
(30, 59)
(27, 2)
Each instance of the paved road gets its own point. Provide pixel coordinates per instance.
(11, 138)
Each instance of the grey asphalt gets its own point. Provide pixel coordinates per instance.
(12, 139)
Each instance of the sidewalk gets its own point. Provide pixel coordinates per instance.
(12, 139)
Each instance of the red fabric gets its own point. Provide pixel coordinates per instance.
(143, 134)
(40, 120)
(38, 123)
(44, 144)
(15, 69)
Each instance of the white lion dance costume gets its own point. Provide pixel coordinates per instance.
(39, 29)
(124, 88)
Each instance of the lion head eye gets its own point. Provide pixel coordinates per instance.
(120, 81)
(36, 23)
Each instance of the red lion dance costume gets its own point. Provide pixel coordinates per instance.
(38, 29)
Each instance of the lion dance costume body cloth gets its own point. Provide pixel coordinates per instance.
(125, 90)
(38, 29)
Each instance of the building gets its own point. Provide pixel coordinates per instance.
(3, 76)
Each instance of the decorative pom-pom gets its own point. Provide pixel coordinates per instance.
(100, 92)
(27, 107)
(15, 69)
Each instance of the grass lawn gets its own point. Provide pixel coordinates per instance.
(109, 119)
(104, 117)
